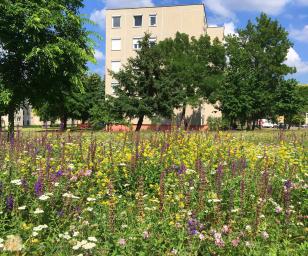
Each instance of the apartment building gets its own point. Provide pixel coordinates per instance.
(126, 27)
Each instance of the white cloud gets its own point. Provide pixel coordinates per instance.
(300, 34)
(98, 55)
(227, 8)
(230, 29)
(127, 3)
(294, 60)
(98, 16)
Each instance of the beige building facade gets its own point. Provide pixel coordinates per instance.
(126, 27)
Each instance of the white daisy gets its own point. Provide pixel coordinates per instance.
(92, 239)
(16, 182)
(38, 211)
(88, 246)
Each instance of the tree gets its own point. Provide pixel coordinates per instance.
(141, 91)
(4, 100)
(46, 49)
(193, 68)
(76, 104)
(288, 102)
(93, 94)
(255, 71)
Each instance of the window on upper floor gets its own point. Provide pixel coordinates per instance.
(138, 20)
(116, 21)
(115, 66)
(152, 41)
(153, 20)
(136, 43)
(113, 85)
(116, 44)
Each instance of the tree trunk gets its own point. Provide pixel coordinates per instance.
(11, 120)
(253, 125)
(63, 123)
(182, 117)
(0, 123)
(139, 124)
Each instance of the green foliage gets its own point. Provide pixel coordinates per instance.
(256, 71)
(141, 91)
(45, 49)
(77, 103)
(193, 67)
(214, 123)
(289, 102)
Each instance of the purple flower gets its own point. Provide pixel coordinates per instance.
(59, 173)
(288, 184)
(9, 203)
(38, 187)
(182, 169)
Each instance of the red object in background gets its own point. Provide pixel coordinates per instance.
(84, 126)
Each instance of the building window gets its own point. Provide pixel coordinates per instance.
(138, 20)
(153, 20)
(152, 41)
(116, 44)
(116, 21)
(115, 66)
(136, 43)
(113, 85)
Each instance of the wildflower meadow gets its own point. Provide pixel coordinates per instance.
(168, 193)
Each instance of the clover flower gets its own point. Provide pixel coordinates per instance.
(122, 242)
(265, 235)
(235, 242)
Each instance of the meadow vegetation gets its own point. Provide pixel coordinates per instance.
(172, 193)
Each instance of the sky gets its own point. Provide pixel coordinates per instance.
(233, 14)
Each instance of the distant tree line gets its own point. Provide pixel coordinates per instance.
(45, 48)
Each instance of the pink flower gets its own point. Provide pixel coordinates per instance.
(225, 229)
(146, 234)
(235, 242)
(218, 240)
(201, 236)
(278, 209)
(265, 235)
(122, 242)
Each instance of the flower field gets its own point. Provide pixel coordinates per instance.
(170, 193)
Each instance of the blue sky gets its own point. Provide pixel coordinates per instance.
(233, 14)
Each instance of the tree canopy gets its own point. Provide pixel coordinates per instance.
(45, 50)
(255, 85)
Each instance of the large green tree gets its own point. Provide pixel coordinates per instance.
(255, 71)
(141, 91)
(193, 68)
(46, 48)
